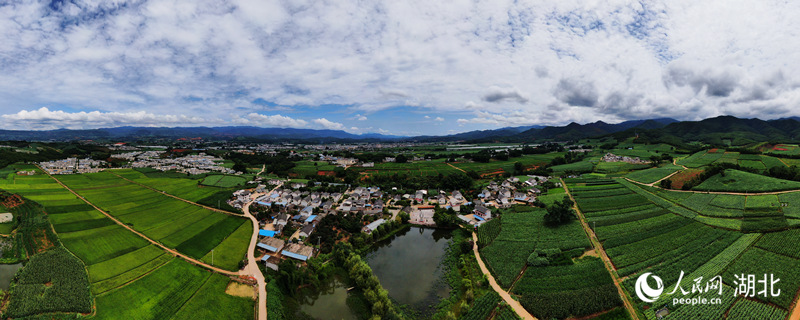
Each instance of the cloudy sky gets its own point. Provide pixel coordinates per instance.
(398, 67)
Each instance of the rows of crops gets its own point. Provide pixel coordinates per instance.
(675, 241)
(176, 290)
(653, 174)
(223, 181)
(482, 307)
(190, 229)
(577, 290)
(118, 260)
(740, 181)
(520, 234)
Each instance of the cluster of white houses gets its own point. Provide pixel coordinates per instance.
(73, 165)
(191, 164)
(304, 209)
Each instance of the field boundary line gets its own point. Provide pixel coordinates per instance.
(602, 253)
(514, 304)
(718, 192)
(163, 247)
(179, 198)
(134, 279)
(457, 168)
(192, 297)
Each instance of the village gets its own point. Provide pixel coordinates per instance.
(288, 208)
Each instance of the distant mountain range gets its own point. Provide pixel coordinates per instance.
(718, 130)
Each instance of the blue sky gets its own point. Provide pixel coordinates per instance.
(394, 67)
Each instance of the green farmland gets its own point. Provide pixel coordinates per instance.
(665, 232)
(190, 229)
(128, 276)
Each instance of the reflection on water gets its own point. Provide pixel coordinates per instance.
(7, 272)
(408, 266)
(327, 303)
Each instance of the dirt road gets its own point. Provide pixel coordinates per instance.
(598, 247)
(156, 243)
(457, 168)
(515, 305)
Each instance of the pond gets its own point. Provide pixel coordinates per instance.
(408, 265)
(7, 272)
(328, 303)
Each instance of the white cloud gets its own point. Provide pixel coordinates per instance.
(277, 120)
(438, 119)
(360, 117)
(327, 124)
(550, 61)
(43, 118)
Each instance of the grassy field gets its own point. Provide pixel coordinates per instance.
(740, 181)
(130, 278)
(171, 291)
(190, 229)
(223, 181)
(653, 174)
(520, 234)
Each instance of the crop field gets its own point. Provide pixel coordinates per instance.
(749, 309)
(740, 181)
(185, 187)
(552, 195)
(612, 167)
(757, 261)
(653, 174)
(122, 265)
(223, 181)
(578, 289)
(190, 229)
(310, 168)
(520, 234)
(702, 158)
(482, 307)
(165, 292)
(421, 168)
(577, 167)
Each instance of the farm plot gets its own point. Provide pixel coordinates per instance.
(223, 181)
(749, 309)
(576, 290)
(653, 174)
(162, 293)
(190, 229)
(185, 187)
(740, 181)
(701, 158)
(520, 234)
(760, 262)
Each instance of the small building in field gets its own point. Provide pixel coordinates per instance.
(298, 251)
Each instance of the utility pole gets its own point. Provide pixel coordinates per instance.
(212, 256)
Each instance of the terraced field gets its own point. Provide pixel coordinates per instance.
(667, 233)
(129, 277)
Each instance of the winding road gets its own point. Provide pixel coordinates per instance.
(251, 269)
(514, 304)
